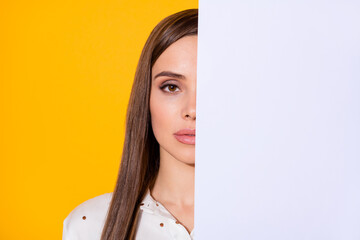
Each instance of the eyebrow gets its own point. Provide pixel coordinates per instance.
(169, 74)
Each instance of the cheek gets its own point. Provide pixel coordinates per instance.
(163, 116)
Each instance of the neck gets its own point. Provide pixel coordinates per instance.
(175, 181)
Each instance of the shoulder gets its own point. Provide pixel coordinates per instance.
(87, 220)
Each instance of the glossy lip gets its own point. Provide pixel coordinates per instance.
(186, 136)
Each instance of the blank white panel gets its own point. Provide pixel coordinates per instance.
(278, 120)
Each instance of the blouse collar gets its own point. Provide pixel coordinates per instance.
(150, 205)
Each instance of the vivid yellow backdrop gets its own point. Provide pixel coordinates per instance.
(66, 70)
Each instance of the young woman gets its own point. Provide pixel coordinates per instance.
(154, 194)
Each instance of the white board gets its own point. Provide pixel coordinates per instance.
(278, 120)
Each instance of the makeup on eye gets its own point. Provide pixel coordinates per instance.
(162, 87)
(167, 84)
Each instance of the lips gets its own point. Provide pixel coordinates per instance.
(186, 136)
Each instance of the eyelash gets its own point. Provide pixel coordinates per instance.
(167, 85)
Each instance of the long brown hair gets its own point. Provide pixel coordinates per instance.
(140, 159)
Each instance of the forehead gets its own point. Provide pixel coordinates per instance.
(180, 57)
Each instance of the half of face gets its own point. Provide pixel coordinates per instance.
(173, 100)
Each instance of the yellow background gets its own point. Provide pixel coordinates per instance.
(66, 70)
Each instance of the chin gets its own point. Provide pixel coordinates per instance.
(192, 164)
(188, 156)
(188, 160)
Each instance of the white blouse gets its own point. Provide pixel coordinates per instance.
(87, 220)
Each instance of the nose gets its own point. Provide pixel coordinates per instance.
(189, 110)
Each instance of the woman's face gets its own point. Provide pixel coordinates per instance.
(173, 100)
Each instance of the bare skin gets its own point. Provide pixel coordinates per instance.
(174, 189)
(173, 108)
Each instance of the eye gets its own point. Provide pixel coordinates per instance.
(171, 88)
